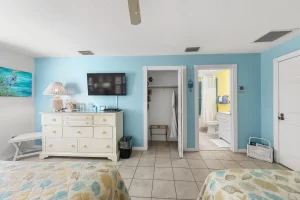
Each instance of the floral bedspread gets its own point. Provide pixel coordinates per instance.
(251, 184)
(60, 180)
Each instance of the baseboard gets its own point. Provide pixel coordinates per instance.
(242, 150)
(139, 148)
(190, 149)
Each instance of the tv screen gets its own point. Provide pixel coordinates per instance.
(106, 83)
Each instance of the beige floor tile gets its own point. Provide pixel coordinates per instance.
(140, 188)
(186, 190)
(183, 174)
(136, 154)
(163, 148)
(231, 164)
(149, 154)
(239, 156)
(174, 155)
(163, 154)
(207, 155)
(222, 156)
(266, 165)
(214, 164)
(131, 162)
(163, 162)
(200, 184)
(163, 173)
(127, 172)
(144, 173)
(163, 189)
(162, 199)
(192, 155)
(196, 163)
(181, 163)
(146, 162)
(200, 174)
(140, 198)
(127, 182)
(248, 165)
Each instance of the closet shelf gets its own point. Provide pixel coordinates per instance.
(163, 86)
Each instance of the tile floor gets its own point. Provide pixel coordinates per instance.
(207, 145)
(160, 174)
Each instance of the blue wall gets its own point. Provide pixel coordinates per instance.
(73, 71)
(267, 83)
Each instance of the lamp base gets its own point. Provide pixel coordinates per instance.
(56, 104)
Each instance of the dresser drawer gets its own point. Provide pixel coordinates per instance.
(61, 145)
(103, 132)
(54, 131)
(51, 120)
(95, 145)
(78, 118)
(78, 123)
(104, 120)
(78, 132)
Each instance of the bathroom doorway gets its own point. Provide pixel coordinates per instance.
(215, 107)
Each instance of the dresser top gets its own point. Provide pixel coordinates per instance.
(79, 113)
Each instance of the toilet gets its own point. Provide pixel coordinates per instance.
(211, 127)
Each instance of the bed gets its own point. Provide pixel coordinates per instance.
(60, 180)
(251, 184)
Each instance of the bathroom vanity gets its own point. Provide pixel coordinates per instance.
(224, 119)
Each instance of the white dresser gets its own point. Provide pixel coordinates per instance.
(224, 119)
(82, 134)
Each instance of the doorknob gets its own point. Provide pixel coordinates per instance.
(281, 117)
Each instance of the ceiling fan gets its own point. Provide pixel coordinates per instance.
(134, 12)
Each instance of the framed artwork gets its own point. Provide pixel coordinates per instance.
(15, 83)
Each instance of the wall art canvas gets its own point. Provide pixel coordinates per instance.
(15, 83)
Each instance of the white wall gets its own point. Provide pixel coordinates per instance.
(16, 113)
(160, 107)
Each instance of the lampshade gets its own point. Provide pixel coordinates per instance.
(55, 88)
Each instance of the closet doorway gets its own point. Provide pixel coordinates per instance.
(165, 108)
(216, 107)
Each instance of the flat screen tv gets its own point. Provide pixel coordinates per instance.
(106, 84)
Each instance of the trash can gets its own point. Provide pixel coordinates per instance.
(125, 146)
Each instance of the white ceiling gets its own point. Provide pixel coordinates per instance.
(62, 27)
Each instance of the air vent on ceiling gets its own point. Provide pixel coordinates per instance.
(86, 53)
(192, 49)
(272, 36)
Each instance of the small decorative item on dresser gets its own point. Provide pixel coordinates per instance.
(56, 89)
(70, 107)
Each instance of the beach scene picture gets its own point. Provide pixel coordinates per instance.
(15, 83)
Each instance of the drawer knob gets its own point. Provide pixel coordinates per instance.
(104, 120)
(86, 122)
(107, 146)
(85, 146)
(103, 132)
(50, 145)
(78, 132)
(72, 145)
(54, 119)
(54, 132)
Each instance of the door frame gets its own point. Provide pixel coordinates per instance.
(276, 62)
(184, 108)
(233, 103)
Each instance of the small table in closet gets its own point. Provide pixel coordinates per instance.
(159, 127)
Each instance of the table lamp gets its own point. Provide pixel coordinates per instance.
(56, 89)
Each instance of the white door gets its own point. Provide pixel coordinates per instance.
(181, 109)
(289, 112)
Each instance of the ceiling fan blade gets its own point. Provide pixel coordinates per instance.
(134, 12)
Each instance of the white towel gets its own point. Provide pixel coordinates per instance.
(173, 134)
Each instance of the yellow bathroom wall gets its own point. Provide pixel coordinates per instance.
(224, 89)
